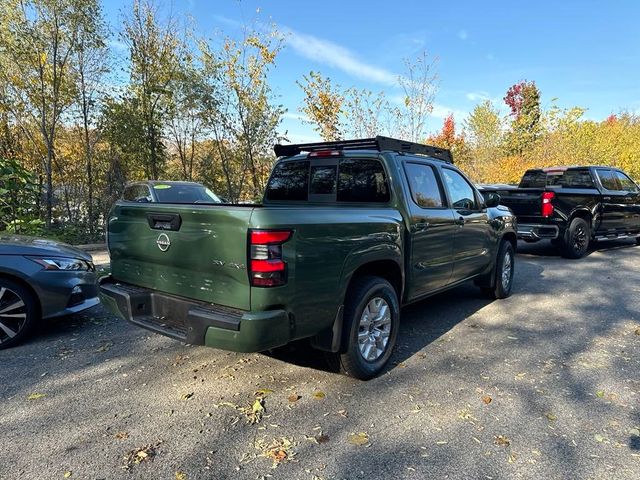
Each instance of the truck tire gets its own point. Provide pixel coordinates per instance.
(502, 272)
(19, 312)
(372, 320)
(576, 239)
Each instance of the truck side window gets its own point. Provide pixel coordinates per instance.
(289, 181)
(424, 185)
(608, 180)
(362, 180)
(626, 183)
(461, 193)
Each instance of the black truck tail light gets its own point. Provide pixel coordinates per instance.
(266, 266)
(547, 206)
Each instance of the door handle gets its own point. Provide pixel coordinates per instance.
(459, 221)
(420, 226)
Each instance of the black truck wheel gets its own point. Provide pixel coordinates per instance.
(18, 313)
(502, 273)
(576, 239)
(372, 320)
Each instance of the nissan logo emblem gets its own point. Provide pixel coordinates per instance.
(163, 242)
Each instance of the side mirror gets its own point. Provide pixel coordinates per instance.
(492, 200)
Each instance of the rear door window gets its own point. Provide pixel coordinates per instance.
(608, 180)
(626, 183)
(289, 181)
(424, 185)
(362, 180)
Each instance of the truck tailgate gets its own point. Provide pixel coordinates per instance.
(194, 251)
(525, 202)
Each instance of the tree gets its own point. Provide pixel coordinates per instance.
(523, 99)
(90, 67)
(39, 39)
(483, 127)
(322, 105)
(155, 48)
(418, 84)
(241, 109)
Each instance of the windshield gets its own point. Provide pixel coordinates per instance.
(184, 193)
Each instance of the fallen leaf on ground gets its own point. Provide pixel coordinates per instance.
(122, 435)
(635, 432)
(67, 474)
(360, 438)
(279, 450)
(599, 438)
(104, 347)
(140, 454)
(263, 392)
(550, 416)
(294, 397)
(186, 396)
(181, 476)
(637, 331)
(487, 399)
(318, 395)
(502, 441)
(520, 376)
(600, 393)
(36, 396)
(254, 412)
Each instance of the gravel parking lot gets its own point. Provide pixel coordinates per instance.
(545, 384)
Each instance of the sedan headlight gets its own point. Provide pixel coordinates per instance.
(65, 264)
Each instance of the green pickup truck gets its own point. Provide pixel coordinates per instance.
(347, 233)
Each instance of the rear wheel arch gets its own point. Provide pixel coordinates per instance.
(586, 215)
(335, 338)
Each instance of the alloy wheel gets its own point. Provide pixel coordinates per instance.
(507, 270)
(13, 314)
(374, 329)
(579, 238)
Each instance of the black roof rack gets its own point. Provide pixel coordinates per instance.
(377, 143)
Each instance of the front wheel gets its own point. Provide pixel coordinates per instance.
(576, 239)
(372, 320)
(18, 313)
(503, 272)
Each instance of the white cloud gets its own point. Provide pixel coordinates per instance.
(478, 96)
(463, 35)
(442, 112)
(336, 56)
(295, 116)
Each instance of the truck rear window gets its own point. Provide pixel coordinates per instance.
(357, 180)
(576, 178)
(289, 181)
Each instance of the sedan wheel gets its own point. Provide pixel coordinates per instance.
(17, 313)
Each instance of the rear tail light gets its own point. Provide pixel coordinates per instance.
(266, 266)
(547, 206)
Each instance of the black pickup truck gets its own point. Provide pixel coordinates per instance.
(572, 206)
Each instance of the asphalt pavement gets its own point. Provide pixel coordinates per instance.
(545, 384)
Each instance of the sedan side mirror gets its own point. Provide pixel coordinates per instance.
(492, 200)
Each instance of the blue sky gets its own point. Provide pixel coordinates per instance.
(583, 53)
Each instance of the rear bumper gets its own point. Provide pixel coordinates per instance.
(537, 232)
(194, 322)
